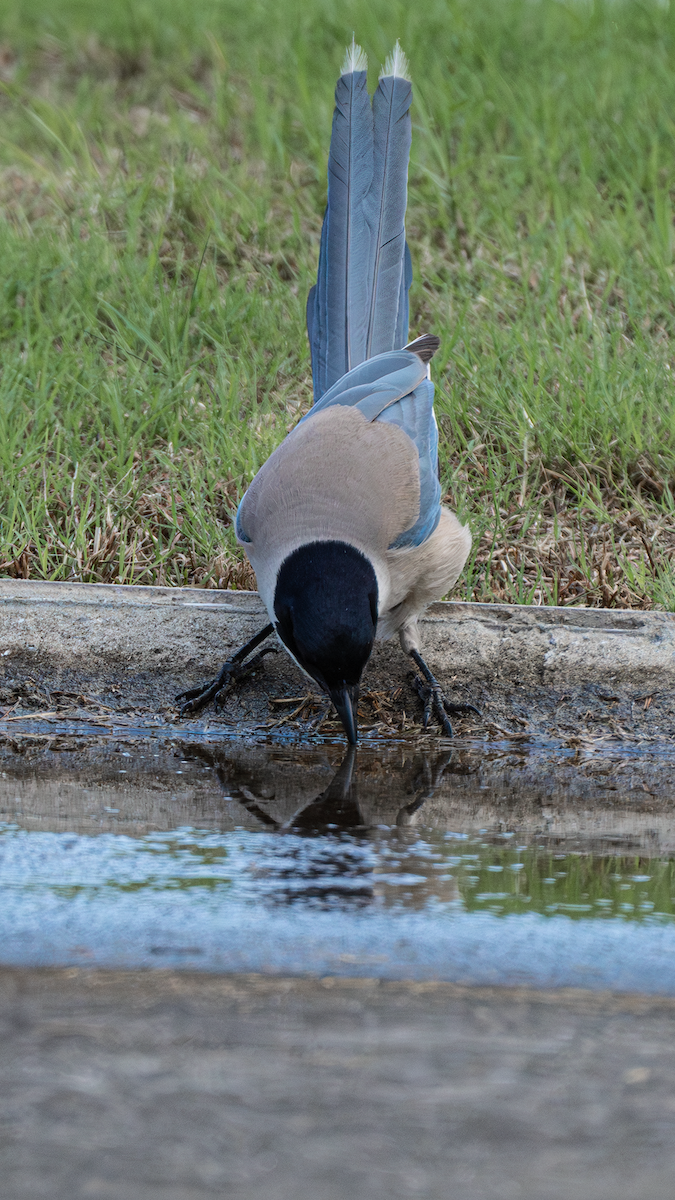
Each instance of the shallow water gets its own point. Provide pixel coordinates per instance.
(487, 865)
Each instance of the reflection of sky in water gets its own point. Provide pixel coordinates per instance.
(415, 903)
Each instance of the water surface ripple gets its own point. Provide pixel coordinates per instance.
(361, 867)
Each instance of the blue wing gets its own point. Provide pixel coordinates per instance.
(374, 384)
(395, 387)
(414, 414)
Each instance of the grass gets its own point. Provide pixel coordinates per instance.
(162, 183)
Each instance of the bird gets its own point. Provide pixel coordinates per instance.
(343, 524)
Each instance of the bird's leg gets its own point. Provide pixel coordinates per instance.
(432, 777)
(232, 671)
(435, 702)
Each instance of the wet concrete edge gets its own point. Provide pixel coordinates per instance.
(152, 642)
(152, 986)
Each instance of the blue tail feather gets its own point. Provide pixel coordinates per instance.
(338, 338)
(385, 209)
(403, 307)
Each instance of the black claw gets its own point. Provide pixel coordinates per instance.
(194, 703)
(196, 698)
(219, 699)
(451, 707)
(444, 723)
(191, 695)
(435, 702)
(234, 670)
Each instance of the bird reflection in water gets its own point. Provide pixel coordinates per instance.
(329, 864)
(326, 856)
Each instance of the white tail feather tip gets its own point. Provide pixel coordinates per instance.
(356, 59)
(396, 64)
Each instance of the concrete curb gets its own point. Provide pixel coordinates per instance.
(83, 626)
(144, 1085)
(152, 642)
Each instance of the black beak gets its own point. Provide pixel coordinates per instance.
(346, 700)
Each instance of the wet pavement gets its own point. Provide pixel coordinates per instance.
(479, 864)
(268, 968)
(177, 1086)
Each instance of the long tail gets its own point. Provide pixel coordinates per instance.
(386, 205)
(359, 305)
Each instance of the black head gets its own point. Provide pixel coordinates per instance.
(325, 605)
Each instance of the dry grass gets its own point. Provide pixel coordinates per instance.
(144, 538)
(578, 550)
(583, 546)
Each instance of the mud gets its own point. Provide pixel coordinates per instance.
(536, 849)
(101, 653)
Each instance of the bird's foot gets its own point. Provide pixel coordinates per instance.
(429, 781)
(436, 703)
(231, 673)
